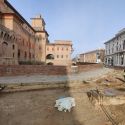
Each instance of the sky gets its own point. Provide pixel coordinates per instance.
(87, 23)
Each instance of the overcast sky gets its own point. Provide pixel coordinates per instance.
(87, 23)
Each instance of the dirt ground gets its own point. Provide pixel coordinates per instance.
(37, 107)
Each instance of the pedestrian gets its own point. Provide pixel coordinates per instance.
(124, 74)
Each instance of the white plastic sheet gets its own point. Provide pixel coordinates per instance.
(65, 104)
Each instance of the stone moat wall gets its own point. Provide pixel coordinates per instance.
(32, 69)
(87, 67)
(13, 70)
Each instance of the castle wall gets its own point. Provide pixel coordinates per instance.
(32, 69)
(30, 42)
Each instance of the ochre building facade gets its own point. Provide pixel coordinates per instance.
(22, 43)
(59, 52)
(95, 56)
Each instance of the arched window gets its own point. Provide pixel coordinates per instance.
(4, 48)
(5, 35)
(1, 34)
(8, 36)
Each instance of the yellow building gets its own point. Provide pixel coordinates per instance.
(95, 56)
(22, 43)
(59, 53)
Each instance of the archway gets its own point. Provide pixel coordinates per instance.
(50, 56)
(50, 63)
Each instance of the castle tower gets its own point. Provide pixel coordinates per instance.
(38, 24)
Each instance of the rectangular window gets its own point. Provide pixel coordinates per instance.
(13, 55)
(25, 55)
(30, 55)
(18, 53)
(13, 47)
(109, 51)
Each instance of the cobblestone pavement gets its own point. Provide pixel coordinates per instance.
(44, 78)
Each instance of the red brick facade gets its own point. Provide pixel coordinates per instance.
(14, 70)
(22, 43)
(32, 69)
